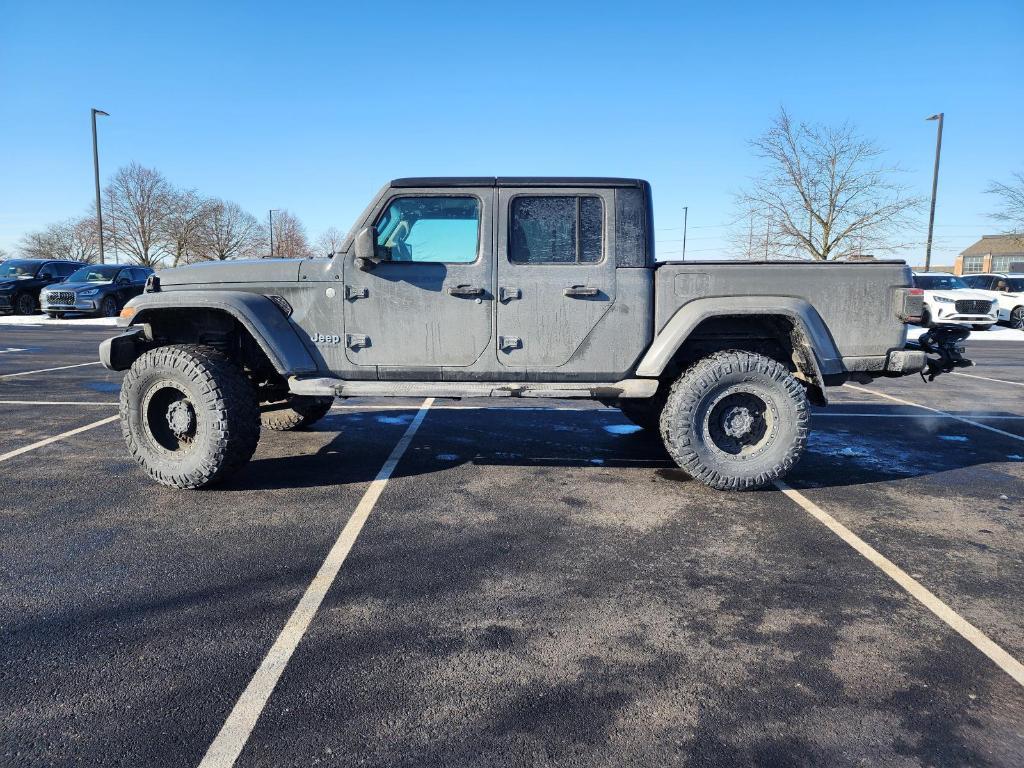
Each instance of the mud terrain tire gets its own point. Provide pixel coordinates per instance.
(735, 420)
(294, 412)
(189, 415)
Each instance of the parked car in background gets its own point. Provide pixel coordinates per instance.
(947, 299)
(99, 290)
(1007, 289)
(21, 280)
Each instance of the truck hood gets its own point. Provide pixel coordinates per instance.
(75, 286)
(222, 272)
(959, 295)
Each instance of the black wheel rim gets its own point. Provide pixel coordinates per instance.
(1017, 319)
(109, 308)
(26, 305)
(170, 418)
(740, 422)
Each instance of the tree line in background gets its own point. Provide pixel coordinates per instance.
(149, 221)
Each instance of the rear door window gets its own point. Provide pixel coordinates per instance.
(556, 230)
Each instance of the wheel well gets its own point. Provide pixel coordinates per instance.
(774, 336)
(214, 328)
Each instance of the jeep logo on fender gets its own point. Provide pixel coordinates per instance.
(319, 338)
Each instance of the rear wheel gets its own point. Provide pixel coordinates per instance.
(736, 420)
(189, 415)
(1017, 318)
(294, 412)
(24, 304)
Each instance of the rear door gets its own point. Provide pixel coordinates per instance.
(556, 272)
(428, 303)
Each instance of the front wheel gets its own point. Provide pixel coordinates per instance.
(1017, 318)
(294, 412)
(108, 307)
(736, 420)
(25, 304)
(189, 415)
(55, 315)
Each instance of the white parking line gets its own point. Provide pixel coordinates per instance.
(55, 438)
(833, 414)
(986, 378)
(46, 370)
(233, 735)
(936, 410)
(958, 623)
(52, 402)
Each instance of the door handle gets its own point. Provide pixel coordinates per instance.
(465, 290)
(581, 290)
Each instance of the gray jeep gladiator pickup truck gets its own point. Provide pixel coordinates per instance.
(509, 287)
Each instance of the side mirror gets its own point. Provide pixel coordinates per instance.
(46, 276)
(366, 248)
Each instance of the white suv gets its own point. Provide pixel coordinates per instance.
(1007, 289)
(947, 299)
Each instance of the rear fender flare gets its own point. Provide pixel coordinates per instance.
(826, 358)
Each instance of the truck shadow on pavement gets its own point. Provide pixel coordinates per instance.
(845, 448)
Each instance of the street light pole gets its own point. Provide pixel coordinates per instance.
(271, 215)
(935, 187)
(686, 215)
(96, 172)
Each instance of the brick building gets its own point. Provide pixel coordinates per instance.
(993, 253)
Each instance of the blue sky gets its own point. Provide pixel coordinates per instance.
(312, 106)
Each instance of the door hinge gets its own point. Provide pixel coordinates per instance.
(508, 293)
(508, 343)
(354, 292)
(357, 340)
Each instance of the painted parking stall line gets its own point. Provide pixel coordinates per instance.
(46, 370)
(953, 416)
(988, 378)
(234, 734)
(55, 438)
(59, 402)
(914, 588)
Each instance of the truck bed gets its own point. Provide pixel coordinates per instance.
(856, 300)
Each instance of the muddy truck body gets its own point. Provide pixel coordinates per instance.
(510, 287)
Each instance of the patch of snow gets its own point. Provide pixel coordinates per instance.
(853, 452)
(622, 429)
(995, 333)
(43, 321)
(875, 454)
(1015, 457)
(597, 462)
(954, 438)
(447, 457)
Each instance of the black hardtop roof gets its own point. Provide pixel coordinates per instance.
(517, 181)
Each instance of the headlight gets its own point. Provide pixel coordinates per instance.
(90, 292)
(944, 300)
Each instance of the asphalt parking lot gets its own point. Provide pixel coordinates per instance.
(534, 584)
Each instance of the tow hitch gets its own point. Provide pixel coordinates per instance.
(945, 341)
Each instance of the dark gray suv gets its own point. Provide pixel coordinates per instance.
(99, 289)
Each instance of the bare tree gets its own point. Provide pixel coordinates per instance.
(290, 240)
(1011, 204)
(329, 242)
(825, 193)
(72, 239)
(186, 214)
(228, 232)
(139, 202)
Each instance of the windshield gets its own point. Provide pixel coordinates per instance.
(19, 268)
(938, 282)
(93, 275)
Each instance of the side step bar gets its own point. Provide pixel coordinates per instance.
(327, 386)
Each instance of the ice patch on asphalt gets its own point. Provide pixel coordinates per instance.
(1015, 457)
(870, 454)
(104, 386)
(622, 429)
(405, 418)
(954, 438)
(447, 457)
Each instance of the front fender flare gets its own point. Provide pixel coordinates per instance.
(803, 316)
(262, 318)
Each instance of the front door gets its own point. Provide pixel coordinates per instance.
(556, 273)
(428, 302)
